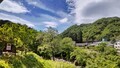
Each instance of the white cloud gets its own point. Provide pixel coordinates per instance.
(45, 17)
(15, 19)
(64, 20)
(86, 11)
(12, 6)
(63, 15)
(50, 24)
(76, 7)
(39, 4)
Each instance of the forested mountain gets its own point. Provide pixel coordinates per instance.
(108, 28)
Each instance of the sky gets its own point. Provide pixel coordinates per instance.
(59, 14)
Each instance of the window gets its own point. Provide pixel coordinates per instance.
(8, 47)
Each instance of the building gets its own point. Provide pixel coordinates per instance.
(9, 48)
(94, 43)
(117, 45)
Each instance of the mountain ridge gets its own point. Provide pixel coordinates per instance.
(108, 28)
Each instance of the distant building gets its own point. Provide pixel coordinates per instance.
(9, 48)
(94, 43)
(81, 44)
(117, 45)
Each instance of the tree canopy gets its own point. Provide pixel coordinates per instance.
(108, 28)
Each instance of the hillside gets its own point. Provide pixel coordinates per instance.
(37, 49)
(31, 60)
(26, 40)
(19, 35)
(108, 28)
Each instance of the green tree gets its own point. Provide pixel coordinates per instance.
(101, 47)
(50, 43)
(67, 46)
(106, 50)
(80, 56)
(21, 36)
(102, 61)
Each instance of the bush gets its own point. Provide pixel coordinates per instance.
(67, 46)
(32, 60)
(16, 62)
(29, 60)
(101, 47)
(106, 50)
(4, 64)
(46, 63)
(102, 61)
(80, 56)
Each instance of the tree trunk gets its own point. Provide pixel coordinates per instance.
(53, 58)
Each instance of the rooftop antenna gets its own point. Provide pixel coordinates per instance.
(1, 1)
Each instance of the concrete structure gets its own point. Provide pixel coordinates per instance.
(88, 44)
(93, 44)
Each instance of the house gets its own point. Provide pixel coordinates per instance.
(117, 45)
(9, 48)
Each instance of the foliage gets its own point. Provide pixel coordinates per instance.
(17, 34)
(3, 64)
(109, 61)
(108, 28)
(53, 45)
(80, 56)
(50, 43)
(67, 46)
(16, 62)
(101, 56)
(32, 60)
(103, 48)
(74, 33)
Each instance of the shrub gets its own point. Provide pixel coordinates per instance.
(32, 60)
(4, 64)
(102, 61)
(16, 62)
(80, 56)
(48, 63)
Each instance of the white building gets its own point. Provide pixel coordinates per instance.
(117, 45)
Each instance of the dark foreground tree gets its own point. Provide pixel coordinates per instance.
(1, 1)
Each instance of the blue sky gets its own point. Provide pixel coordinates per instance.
(59, 14)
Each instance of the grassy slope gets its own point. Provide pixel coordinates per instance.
(31, 60)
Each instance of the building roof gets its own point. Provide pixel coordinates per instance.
(92, 43)
(118, 41)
